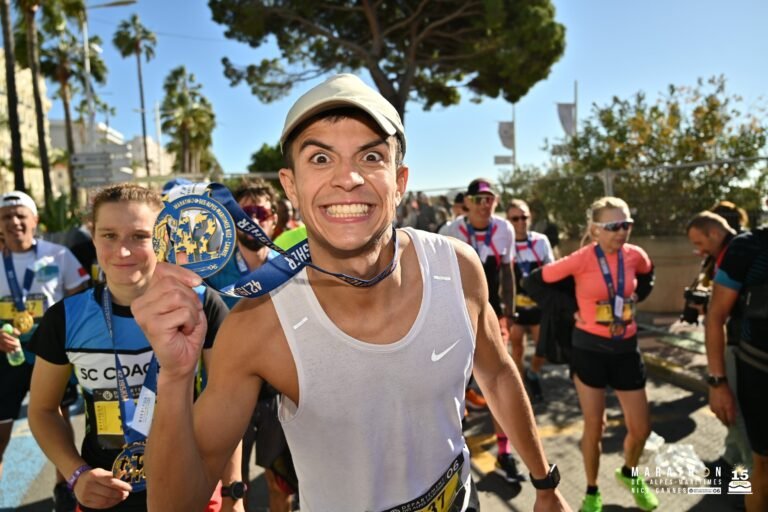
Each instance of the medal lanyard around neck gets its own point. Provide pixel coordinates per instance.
(526, 265)
(135, 427)
(276, 271)
(19, 295)
(488, 240)
(615, 295)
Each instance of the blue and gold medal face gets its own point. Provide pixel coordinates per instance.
(129, 466)
(195, 232)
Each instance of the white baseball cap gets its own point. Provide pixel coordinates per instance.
(344, 90)
(17, 198)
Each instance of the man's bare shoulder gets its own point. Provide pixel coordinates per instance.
(250, 327)
(253, 340)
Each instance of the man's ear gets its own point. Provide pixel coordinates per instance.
(401, 179)
(287, 180)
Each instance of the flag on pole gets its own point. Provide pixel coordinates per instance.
(507, 134)
(567, 114)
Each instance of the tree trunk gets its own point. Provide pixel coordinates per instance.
(143, 111)
(184, 150)
(17, 157)
(74, 200)
(34, 60)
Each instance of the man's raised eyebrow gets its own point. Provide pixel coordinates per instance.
(372, 144)
(315, 142)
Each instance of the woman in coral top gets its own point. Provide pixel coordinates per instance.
(605, 351)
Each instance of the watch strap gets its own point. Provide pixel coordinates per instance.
(548, 482)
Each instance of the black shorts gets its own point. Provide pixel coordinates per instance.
(624, 371)
(751, 384)
(14, 383)
(527, 317)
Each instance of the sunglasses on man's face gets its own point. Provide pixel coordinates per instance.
(615, 226)
(518, 218)
(258, 212)
(482, 199)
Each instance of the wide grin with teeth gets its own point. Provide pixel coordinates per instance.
(347, 210)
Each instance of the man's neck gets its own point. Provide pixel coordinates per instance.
(254, 259)
(479, 224)
(364, 264)
(20, 247)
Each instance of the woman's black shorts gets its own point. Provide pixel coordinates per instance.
(622, 371)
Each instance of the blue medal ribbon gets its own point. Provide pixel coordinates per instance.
(19, 295)
(613, 292)
(129, 464)
(526, 265)
(278, 270)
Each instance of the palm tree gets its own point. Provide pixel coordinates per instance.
(133, 38)
(29, 10)
(187, 116)
(60, 62)
(17, 159)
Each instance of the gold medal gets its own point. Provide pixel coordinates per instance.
(23, 321)
(129, 466)
(617, 329)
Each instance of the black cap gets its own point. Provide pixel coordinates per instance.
(481, 186)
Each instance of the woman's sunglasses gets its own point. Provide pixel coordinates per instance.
(615, 226)
(518, 218)
(258, 212)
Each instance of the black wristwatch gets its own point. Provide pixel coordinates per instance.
(235, 490)
(548, 482)
(715, 380)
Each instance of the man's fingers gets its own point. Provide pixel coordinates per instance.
(187, 277)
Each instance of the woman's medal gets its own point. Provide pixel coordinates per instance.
(135, 418)
(617, 329)
(129, 466)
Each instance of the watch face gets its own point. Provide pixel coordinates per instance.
(237, 490)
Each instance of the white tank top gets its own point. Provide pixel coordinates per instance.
(379, 426)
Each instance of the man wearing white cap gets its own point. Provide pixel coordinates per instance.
(35, 275)
(372, 376)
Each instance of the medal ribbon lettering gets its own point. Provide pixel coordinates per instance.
(129, 464)
(615, 296)
(23, 319)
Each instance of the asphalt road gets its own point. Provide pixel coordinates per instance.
(681, 417)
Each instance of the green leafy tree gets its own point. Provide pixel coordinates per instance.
(187, 116)
(414, 50)
(54, 14)
(133, 38)
(267, 159)
(60, 62)
(17, 158)
(669, 159)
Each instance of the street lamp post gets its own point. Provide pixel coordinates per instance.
(91, 132)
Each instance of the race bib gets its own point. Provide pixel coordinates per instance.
(604, 312)
(35, 306)
(524, 301)
(106, 421)
(441, 495)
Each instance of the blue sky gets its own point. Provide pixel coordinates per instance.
(613, 48)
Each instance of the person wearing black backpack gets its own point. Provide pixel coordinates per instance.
(742, 279)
